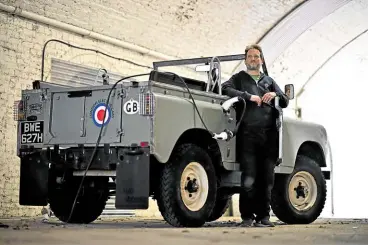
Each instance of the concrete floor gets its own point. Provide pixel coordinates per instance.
(155, 231)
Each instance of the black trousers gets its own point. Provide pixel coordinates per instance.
(257, 154)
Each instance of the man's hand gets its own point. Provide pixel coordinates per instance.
(267, 97)
(256, 99)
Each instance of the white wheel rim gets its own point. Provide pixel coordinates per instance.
(303, 191)
(194, 186)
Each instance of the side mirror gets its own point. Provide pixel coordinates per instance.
(289, 91)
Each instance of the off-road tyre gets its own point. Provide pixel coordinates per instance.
(281, 203)
(89, 205)
(222, 204)
(170, 200)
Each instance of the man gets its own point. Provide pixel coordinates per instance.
(257, 138)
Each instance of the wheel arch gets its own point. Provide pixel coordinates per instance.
(203, 139)
(314, 151)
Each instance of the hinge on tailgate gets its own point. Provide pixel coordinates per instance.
(82, 131)
(82, 122)
(122, 93)
(120, 132)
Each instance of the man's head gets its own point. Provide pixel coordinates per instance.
(253, 59)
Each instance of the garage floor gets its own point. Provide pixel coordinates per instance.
(155, 231)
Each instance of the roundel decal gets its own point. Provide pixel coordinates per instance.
(99, 113)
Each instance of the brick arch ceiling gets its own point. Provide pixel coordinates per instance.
(305, 58)
(191, 28)
(303, 16)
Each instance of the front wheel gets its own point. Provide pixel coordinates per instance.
(187, 192)
(299, 198)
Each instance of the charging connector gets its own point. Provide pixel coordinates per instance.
(225, 135)
(229, 103)
(228, 134)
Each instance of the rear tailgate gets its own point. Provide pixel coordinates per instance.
(74, 116)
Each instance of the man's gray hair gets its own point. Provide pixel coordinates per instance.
(252, 46)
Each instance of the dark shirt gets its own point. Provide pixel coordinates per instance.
(242, 84)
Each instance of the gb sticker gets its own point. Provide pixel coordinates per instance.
(131, 107)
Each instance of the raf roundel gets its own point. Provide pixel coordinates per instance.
(98, 114)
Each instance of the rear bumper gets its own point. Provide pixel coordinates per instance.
(129, 166)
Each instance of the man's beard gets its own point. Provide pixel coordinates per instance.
(251, 67)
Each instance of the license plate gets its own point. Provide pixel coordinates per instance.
(31, 132)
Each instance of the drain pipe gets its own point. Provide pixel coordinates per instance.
(86, 33)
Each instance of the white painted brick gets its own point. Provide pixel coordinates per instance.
(20, 65)
(183, 28)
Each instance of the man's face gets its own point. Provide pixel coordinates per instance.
(253, 60)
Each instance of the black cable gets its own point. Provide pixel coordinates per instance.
(191, 96)
(121, 59)
(241, 117)
(86, 49)
(102, 126)
(98, 141)
(195, 106)
(99, 135)
(107, 102)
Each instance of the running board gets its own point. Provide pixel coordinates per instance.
(231, 179)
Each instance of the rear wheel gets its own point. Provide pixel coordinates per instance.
(187, 192)
(299, 198)
(90, 203)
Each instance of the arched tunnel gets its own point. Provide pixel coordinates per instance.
(319, 46)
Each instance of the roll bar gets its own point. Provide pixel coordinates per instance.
(214, 63)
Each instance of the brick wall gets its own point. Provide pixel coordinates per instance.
(170, 27)
(21, 44)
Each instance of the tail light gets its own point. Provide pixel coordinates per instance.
(18, 110)
(146, 104)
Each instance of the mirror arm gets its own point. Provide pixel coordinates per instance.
(279, 125)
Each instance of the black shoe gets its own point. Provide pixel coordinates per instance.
(246, 222)
(264, 223)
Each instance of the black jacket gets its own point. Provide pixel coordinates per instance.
(242, 84)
